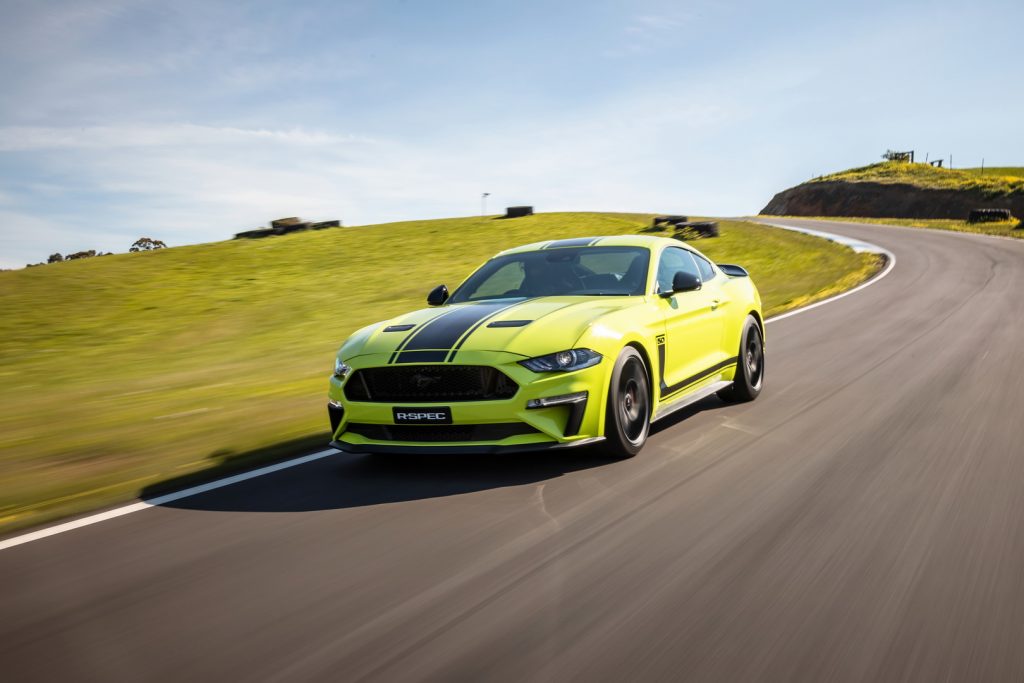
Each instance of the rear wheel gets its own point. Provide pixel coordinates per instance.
(749, 366)
(628, 416)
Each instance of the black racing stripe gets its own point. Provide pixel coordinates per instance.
(703, 374)
(444, 331)
(575, 242)
(408, 338)
(473, 329)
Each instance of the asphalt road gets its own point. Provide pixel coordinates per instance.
(862, 521)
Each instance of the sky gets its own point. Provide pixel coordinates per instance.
(190, 121)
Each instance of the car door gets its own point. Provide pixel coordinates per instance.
(716, 284)
(691, 345)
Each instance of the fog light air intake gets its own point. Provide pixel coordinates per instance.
(577, 403)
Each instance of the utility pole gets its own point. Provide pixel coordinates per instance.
(483, 203)
(983, 166)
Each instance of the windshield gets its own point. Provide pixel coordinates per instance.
(586, 271)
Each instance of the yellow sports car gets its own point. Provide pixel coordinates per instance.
(552, 345)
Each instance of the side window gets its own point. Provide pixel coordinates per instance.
(672, 261)
(707, 271)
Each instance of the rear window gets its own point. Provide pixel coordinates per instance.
(707, 271)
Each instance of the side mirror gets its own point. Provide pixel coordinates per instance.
(685, 282)
(438, 295)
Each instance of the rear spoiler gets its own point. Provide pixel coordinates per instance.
(733, 271)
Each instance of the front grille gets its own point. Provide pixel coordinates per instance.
(441, 433)
(429, 384)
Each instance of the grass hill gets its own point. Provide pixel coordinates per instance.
(1012, 171)
(125, 371)
(902, 190)
(994, 181)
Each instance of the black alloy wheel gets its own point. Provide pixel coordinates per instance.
(749, 380)
(628, 418)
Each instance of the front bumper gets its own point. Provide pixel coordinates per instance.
(557, 426)
(461, 449)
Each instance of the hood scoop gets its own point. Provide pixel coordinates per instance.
(509, 323)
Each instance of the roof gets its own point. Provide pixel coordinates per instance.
(648, 241)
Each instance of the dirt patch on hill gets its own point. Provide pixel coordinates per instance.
(878, 200)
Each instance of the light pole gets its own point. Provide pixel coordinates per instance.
(483, 203)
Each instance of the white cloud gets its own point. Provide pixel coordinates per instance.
(648, 25)
(28, 138)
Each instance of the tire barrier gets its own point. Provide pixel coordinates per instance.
(695, 230)
(283, 226)
(989, 216)
(254, 234)
(671, 220)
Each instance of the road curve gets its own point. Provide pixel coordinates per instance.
(862, 521)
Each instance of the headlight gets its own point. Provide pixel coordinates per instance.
(563, 361)
(341, 369)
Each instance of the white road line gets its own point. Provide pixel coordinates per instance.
(277, 467)
(161, 500)
(856, 245)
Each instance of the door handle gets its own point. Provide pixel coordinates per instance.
(714, 304)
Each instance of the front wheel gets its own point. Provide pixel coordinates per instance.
(628, 417)
(749, 366)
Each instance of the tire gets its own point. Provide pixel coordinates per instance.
(628, 415)
(749, 380)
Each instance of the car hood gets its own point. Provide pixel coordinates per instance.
(527, 327)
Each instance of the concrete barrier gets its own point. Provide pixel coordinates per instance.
(518, 211)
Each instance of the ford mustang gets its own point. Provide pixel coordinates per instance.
(552, 345)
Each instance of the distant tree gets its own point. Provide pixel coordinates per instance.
(80, 254)
(147, 244)
(55, 258)
(891, 155)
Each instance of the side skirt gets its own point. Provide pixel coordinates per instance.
(689, 399)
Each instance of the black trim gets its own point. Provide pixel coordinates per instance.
(575, 242)
(398, 328)
(440, 433)
(430, 383)
(480, 449)
(732, 270)
(664, 390)
(509, 323)
(335, 413)
(576, 411)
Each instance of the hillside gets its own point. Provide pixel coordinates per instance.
(902, 190)
(133, 369)
(1014, 171)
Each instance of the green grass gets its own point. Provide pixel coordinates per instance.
(1002, 228)
(1013, 171)
(125, 371)
(929, 177)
